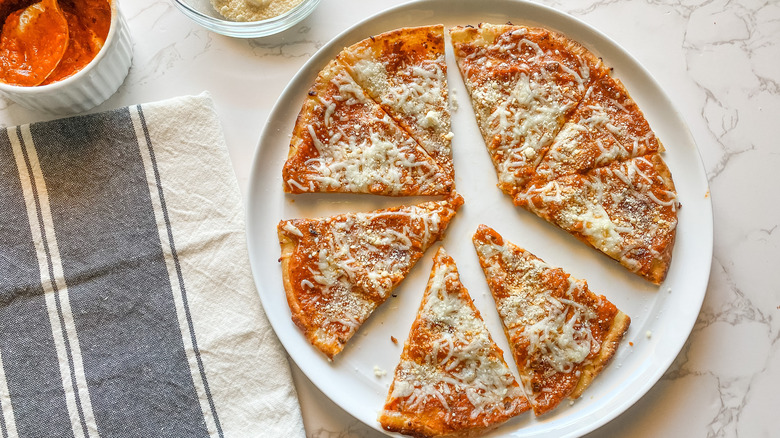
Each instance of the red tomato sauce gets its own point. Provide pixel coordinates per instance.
(45, 42)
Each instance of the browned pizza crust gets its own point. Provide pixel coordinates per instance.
(569, 144)
(376, 121)
(609, 347)
(562, 335)
(452, 380)
(404, 71)
(627, 210)
(337, 270)
(524, 83)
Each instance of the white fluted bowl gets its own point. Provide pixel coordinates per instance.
(89, 87)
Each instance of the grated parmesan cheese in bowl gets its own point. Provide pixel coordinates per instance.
(247, 18)
(253, 10)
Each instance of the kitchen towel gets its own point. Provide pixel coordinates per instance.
(127, 305)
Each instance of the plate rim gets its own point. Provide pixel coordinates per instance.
(332, 47)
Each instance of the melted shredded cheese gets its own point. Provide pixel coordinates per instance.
(365, 151)
(606, 127)
(416, 94)
(292, 229)
(460, 360)
(622, 210)
(358, 259)
(557, 328)
(526, 112)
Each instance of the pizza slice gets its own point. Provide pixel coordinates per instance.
(627, 210)
(404, 71)
(607, 126)
(562, 335)
(452, 380)
(344, 142)
(337, 270)
(524, 83)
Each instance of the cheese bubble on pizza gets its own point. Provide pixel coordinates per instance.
(452, 380)
(376, 120)
(337, 270)
(562, 335)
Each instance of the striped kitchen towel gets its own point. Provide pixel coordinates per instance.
(127, 305)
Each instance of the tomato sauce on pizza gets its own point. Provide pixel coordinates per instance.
(337, 270)
(561, 334)
(452, 379)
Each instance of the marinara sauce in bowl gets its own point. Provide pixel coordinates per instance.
(62, 56)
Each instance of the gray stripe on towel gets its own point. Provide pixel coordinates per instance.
(26, 342)
(136, 369)
(182, 287)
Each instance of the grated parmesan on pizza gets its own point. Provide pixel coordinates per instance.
(452, 379)
(337, 270)
(568, 142)
(376, 120)
(607, 126)
(524, 82)
(404, 71)
(561, 334)
(627, 210)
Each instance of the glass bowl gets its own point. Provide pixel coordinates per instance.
(203, 13)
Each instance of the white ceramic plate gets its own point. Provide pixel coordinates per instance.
(662, 317)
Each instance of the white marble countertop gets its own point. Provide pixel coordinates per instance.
(719, 59)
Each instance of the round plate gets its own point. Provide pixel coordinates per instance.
(662, 317)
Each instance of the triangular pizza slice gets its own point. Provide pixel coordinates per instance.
(627, 210)
(344, 142)
(452, 379)
(595, 168)
(404, 71)
(524, 83)
(561, 334)
(607, 126)
(337, 270)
